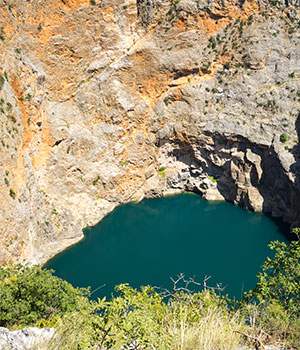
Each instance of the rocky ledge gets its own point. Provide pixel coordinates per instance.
(107, 102)
(25, 339)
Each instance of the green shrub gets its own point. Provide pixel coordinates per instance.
(12, 118)
(2, 81)
(98, 178)
(227, 65)
(274, 305)
(279, 281)
(2, 38)
(161, 171)
(12, 193)
(283, 137)
(29, 294)
(8, 106)
(292, 75)
(213, 179)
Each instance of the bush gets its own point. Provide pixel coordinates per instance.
(279, 281)
(29, 294)
(227, 65)
(283, 138)
(274, 305)
(2, 81)
(98, 178)
(161, 171)
(213, 179)
(292, 75)
(2, 38)
(12, 193)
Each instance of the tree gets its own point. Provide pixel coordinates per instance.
(279, 281)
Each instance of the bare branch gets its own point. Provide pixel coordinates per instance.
(257, 342)
(181, 284)
(95, 290)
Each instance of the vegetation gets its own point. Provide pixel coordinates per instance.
(159, 319)
(161, 171)
(98, 178)
(292, 75)
(29, 295)
(2, 81)
(124, 163)
(12, 193)
(276, 298)
(2, 38)
(213, 179)
(283, 137)
(279, 281)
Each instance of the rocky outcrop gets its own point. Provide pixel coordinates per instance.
(146, 11)
(25, 339)
(236, 170)
(106, 103)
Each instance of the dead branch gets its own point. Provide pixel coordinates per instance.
(257, 342)
(175, 292)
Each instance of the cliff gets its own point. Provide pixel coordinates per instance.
(108, 102)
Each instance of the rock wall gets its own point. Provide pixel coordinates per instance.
(106, 103)
(232, 169)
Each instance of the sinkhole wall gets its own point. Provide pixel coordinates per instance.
(109, 103)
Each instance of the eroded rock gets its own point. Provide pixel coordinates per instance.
(26, 338)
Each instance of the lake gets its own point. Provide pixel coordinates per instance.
(150, 241)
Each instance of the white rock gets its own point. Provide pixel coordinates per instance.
(26, 338)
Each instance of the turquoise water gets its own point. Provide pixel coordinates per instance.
(151, 241)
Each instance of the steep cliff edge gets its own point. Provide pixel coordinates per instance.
(106, 103)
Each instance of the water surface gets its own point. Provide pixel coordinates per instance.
(151, 241)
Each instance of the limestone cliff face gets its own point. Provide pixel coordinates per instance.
(106, 103)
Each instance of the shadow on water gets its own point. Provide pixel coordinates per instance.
(283, 227)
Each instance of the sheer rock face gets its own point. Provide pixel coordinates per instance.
(108, 103)
(146, 11)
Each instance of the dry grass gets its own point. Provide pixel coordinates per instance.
(214, 331)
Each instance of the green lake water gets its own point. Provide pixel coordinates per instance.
(151, 241)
